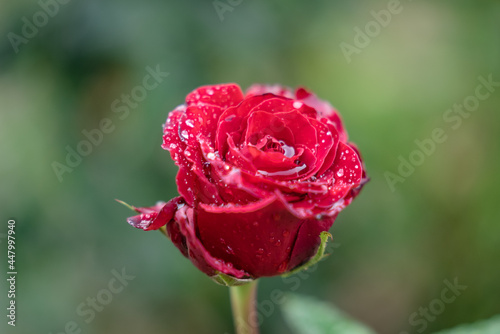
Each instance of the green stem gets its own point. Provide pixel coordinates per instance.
(243, 303)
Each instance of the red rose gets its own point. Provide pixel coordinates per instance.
(261, 175)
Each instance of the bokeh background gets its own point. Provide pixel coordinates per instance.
(394, 247)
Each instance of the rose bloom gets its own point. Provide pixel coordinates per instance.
(261, 175)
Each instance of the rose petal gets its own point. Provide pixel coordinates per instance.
(364, 179)
(278, 104)
(198, 254)
(232, 119)
(308, 240)
(277, 90)
(328, 161)
(307, 158)
(305, 134)
(346, 172)
(152, 218)
(222, 174)
(237, 158)
(200, 122)
(325, 109)
(177, 238)
(261, 124)
(258, 237)
(223, 95)
(274, 105)
(347, 167)
(260, 186)
(171, 138)
(324, 142)
(187, 185)
(196, 183)
(271, 162)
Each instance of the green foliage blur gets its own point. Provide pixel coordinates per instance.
(395, 245)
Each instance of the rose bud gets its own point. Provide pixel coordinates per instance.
(261, 176)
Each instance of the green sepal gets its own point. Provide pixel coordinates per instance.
(163, 230)
(320, 255)
(227, 280)
(131, 207)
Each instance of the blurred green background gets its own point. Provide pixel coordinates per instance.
(394, 249)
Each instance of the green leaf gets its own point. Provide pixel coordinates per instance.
(320, 254)
(491, 326)
(227, 280)
(306, 315)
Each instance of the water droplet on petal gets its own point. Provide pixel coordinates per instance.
(288, 151)
(293, 171)
(340, 172)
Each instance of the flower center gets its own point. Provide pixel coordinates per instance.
(271, 144)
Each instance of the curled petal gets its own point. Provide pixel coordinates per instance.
(325, 109)
(259, 186)
(152, 218)
(346, 173)
(261, 124)
(300, 125)
(324, 144)
(196, 182)
(328, 160)
(171, 138)
(233, 118)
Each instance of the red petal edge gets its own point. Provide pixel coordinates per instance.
(152, 218)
